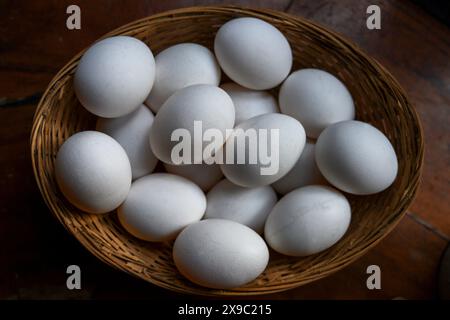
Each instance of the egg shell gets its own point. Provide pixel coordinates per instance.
(253, 53)
(356, 157)
(206, 103)
(160, 205)
(180, 66)
(114, 76)
(305, 172)
(291, 143)
(249, 103)
(132, 132)
(307, 220)
(317, 99)
(248, 206)
(204, 175)
(220, 254)
(93, 171)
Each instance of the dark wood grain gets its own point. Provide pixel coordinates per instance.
(34, 44)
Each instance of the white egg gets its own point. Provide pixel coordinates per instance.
(253, 53)
(132, 132)
(248, 206)
(281, 153)
(114, 76)
(249, 103)
(179, 66)
(356, 157)
(93, 171)
(160, 205)
(207, 104)
(307, 220)
(220, 254)
(305, 172)
(204, 175)
(317, 99)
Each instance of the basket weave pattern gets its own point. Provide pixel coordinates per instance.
(378, 98)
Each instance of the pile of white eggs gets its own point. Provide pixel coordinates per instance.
(222, 217)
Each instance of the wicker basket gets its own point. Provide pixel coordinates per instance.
(378, 98)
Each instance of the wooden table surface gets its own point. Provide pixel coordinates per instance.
(35, 248)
